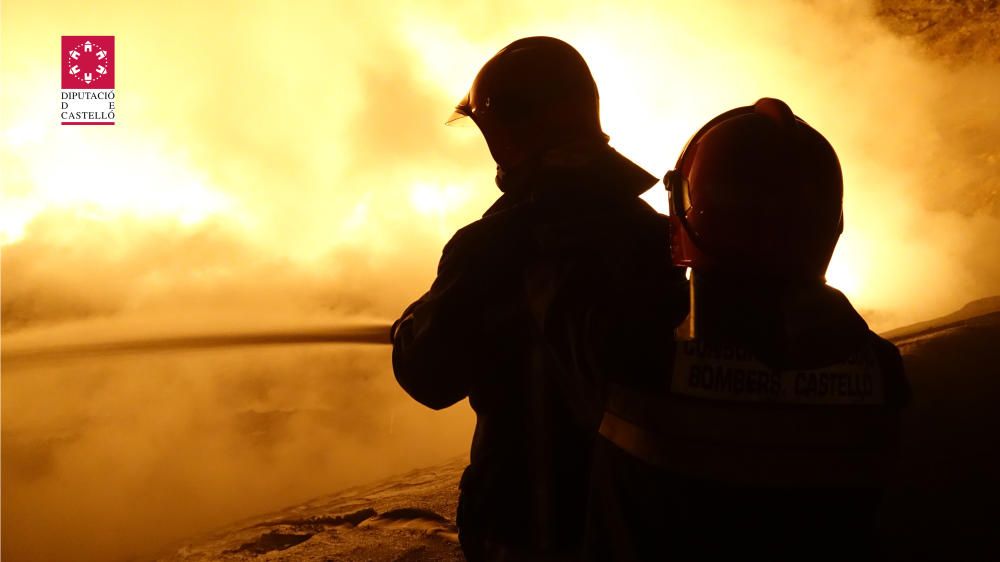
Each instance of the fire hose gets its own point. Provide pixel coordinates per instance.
(370, 334)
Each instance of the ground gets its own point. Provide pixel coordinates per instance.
(407, 518)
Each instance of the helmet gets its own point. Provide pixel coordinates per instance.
(525, 81)
(758, 191)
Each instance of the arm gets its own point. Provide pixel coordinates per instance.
(455, 334)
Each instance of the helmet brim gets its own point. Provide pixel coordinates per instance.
(462, 116)
(459, 119)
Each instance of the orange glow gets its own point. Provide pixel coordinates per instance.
(286, 163)
(660, 77)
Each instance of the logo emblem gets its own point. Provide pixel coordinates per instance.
(88, 62)
(88, 80)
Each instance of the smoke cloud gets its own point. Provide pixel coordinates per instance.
(279, 165)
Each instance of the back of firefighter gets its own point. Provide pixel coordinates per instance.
(765, 427)
(568, 247)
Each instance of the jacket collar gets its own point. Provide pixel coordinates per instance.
(569, 171)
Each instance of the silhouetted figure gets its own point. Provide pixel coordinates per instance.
(764, 429)
(567, 253)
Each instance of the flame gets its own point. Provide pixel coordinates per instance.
(437, 200)
(845, 274)
(276, 150)
(106, 174)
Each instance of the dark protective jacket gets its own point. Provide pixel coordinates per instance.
(769, 437)
(568, 248)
